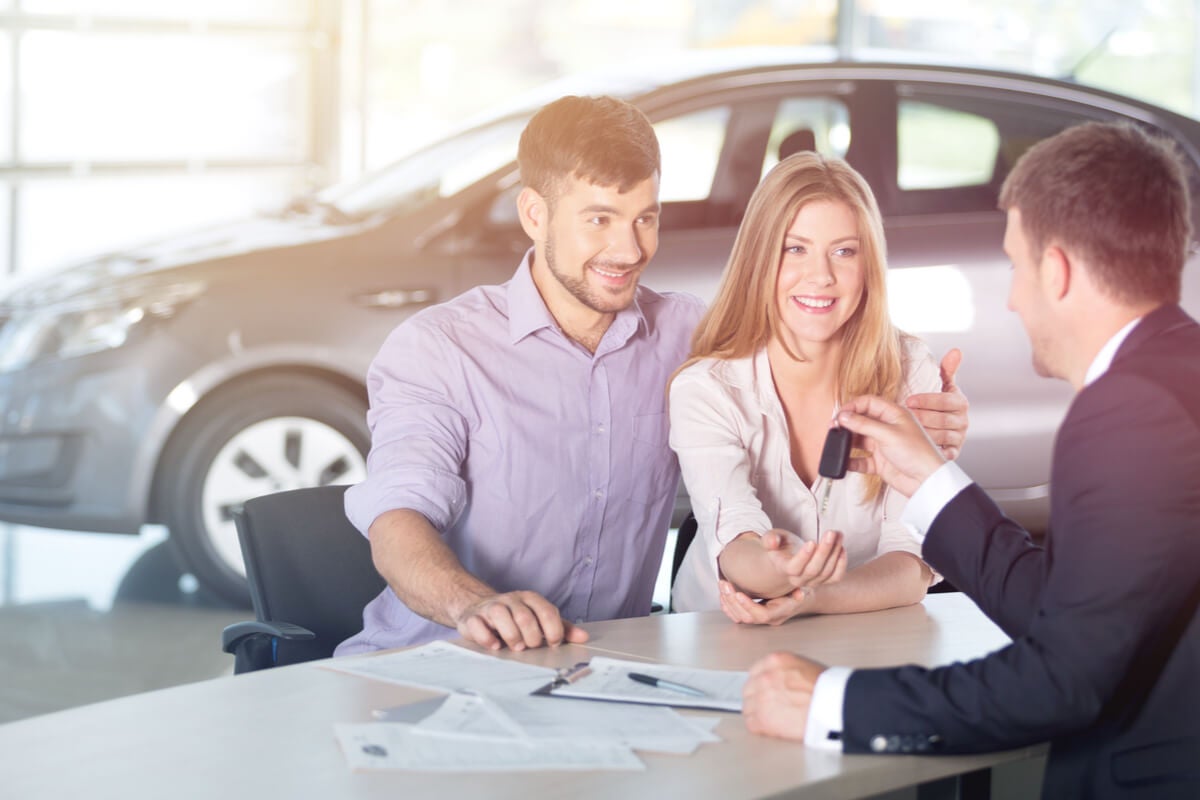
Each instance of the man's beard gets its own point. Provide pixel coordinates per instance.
(597, 300)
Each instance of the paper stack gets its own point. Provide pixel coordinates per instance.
(491, 722)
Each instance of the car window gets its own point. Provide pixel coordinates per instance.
(690, 146)
(438, 171)
(956, 144)
(804, 123)
(691, 150)
(940, 147)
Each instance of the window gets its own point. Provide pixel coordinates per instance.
(112, 212)
(691, 149)
(955, 145)
(826, 119)
(942, 147)
(440, 170)
(211, 97)
(274, 11)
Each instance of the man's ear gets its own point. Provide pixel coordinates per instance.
(534, 214)
(1056, 272)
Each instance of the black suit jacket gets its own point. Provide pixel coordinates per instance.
(1105, 659)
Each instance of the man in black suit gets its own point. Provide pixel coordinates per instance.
(1105, 659)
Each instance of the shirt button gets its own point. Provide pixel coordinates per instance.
(599, 429)
(587, 560)
(599, 493)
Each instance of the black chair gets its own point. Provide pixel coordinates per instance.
(310, 575)
(683, 540)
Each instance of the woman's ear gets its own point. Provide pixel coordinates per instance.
(534, 214)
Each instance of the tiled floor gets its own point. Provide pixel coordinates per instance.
(90, 617)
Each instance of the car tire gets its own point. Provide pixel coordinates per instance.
(263, 435)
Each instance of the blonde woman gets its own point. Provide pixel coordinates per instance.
(799, 324)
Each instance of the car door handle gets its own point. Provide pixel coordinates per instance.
(395, 298)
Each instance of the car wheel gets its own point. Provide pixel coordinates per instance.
(264, 435)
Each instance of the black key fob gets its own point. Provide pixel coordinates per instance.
(836, 454)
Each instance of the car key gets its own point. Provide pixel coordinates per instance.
(835, 454)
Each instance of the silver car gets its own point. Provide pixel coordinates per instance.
(171, 382)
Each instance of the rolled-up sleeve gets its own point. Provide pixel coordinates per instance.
(714, 461)
(418, 434)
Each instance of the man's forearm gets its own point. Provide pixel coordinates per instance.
(423, 572)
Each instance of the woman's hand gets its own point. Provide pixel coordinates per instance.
(743, 609)
(804, 568)
(807, 564)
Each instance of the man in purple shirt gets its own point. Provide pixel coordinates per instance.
(519, 481)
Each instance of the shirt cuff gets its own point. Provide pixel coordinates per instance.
(824, 728)
(931, 497)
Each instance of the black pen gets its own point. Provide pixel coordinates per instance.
(665, 684)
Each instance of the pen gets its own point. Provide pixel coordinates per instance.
(664, 684)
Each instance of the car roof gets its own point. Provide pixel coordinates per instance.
(651, 80)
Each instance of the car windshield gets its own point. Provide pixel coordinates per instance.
(440, 170)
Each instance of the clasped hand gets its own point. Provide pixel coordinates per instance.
(803, 568)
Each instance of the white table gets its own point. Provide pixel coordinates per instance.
(270, 734)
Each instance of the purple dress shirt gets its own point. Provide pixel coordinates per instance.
(544, 466)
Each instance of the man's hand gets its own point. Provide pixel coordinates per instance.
(944, 414)
(898, 448)
(776, 697)
(518, 620)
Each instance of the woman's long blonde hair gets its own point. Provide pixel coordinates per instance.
(745, 314)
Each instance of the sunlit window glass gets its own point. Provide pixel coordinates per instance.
(440, 170)
(128, 97)
(106, 213)
(940, 147)
(6, 267)
(294, 11)
(6, 89)
(821, 122)
(691, 147)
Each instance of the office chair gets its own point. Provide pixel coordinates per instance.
(310, 575)
(683, 540)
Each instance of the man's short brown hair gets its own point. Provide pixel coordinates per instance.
(601, 140)
(1116, 195)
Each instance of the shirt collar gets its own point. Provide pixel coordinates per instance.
(527, 310)
(1104, 358)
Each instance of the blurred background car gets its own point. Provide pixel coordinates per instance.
(169, 383)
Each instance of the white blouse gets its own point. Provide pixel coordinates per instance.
(729, 430)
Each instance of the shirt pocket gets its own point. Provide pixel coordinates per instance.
(651, 464)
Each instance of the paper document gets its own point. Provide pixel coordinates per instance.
(608, 679)
(442, 666)
(494, 718)
(396, 745)
(649, 728)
